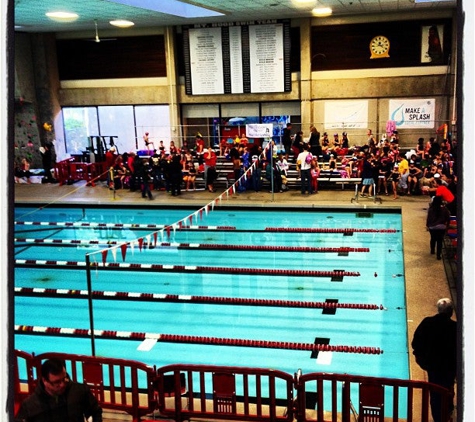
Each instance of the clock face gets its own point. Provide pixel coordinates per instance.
(379, 46)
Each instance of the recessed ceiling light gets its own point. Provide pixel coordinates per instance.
(62, 16)
(322, 11)
(122, 23)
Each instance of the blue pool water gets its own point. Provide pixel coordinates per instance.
(381, 282)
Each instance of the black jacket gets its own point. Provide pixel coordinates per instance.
(74, 405)
(435, 344)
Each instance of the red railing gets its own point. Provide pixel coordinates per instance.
(224, 392)
(332, 397)
(69, 170)
(118, 384)
(180, 392)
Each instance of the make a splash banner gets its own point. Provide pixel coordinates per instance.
(416, 114)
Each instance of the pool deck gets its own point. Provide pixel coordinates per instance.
(426, 279)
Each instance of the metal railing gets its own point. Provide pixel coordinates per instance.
(181, 392)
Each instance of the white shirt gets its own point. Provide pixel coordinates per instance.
(303, 164)
(283, 165)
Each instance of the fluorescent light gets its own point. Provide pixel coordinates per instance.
(171, 7)
(62, 16)
(122, 23)
(322, 11)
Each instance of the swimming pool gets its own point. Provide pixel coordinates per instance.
(376, 256)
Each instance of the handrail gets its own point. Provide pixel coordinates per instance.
(262, 394)
(181, 391)
(405, 399)
(116, 383)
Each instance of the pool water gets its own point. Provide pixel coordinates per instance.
(380, 282)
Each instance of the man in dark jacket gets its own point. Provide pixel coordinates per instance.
(435, 349)
(58, 399)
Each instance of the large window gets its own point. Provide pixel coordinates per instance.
(124, 126)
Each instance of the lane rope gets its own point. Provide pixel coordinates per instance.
(326, 230)
(159, 297)
(116, 225)
(183, 268)
(177, 338)
(191, 246)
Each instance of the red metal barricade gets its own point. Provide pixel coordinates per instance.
(118, 384)
(180, 392)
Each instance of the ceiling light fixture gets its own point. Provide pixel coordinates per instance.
(62, 16)
(121, 23)
(322, 11)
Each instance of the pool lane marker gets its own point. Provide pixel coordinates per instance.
(341, 250)
(335, 275)
(178, 338)
(117, 225)
(329, 306)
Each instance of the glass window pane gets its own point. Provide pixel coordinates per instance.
(118, 121)
(154, 119)
(79, 124)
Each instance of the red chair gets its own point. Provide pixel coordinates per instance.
(371, 403)
(224, 393)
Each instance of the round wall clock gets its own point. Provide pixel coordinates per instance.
(379, 47)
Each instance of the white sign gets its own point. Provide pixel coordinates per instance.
(266, 53)
(206, 59)
(259, 130)
(413, 113)
(346, 114)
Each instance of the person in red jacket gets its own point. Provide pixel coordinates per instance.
(210, 160)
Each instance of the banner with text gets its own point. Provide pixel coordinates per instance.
(346, 114)
(259, 130)
(414, 114)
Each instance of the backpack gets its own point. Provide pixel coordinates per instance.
(308, 158)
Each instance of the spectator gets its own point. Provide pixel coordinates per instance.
(297, 144)
(47, 158)
(395, 177)
(314, 142)
(272, 172)
(403, 166)
(287, 140)
(175, 174)
(23, 171)
(305, 160)
(235, 158)
(58, 399)
(435, 348)
(314, 174)
(437, 221)
(442, 190)
(414, 173)
(367, 176)
(256, 182)
(189, 176)
(143, 172)
(384, 171)
(210, 160)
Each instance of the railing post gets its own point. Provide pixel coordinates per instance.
(89, 300)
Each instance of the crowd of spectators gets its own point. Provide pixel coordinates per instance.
(428, 168)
